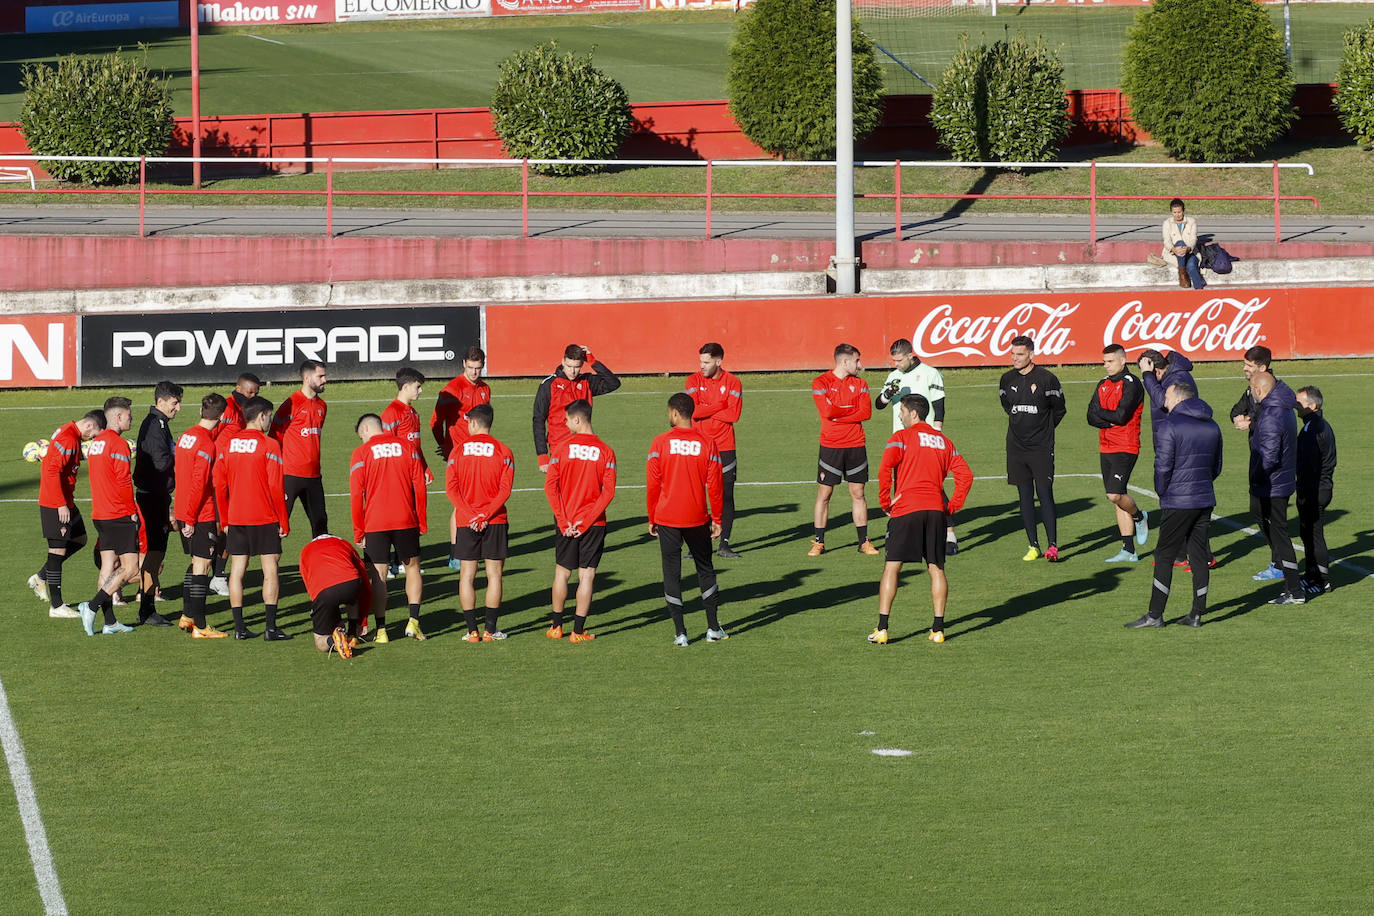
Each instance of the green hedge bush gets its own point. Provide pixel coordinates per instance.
(549, 105)
(111, 105)
(1002, 102)
(1355, 84)
(1208, 79)
(781, 79)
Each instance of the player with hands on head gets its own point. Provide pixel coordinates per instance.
(579, 485)
(579, 377)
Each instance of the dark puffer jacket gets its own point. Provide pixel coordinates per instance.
(1180, 370)
(1187, 456)
(1274, 445)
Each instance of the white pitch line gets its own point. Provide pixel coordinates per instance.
(37, 837)
(270, 41)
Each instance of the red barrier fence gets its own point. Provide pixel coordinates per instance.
(663, 130)
(759, 334)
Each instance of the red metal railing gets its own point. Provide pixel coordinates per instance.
(708, 195)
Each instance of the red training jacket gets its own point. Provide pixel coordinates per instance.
(386, 486)
(448, 423)
(1115, 409)
(844, 405)
(57, 476)
(683, 471)
(580, 483)
(330, 560)
(915, 463)
(231, 421)
(479, 477)
(248, 481)
(402, 420)
(194, 468)
(111, 475)
(719, 403)
(298, 426)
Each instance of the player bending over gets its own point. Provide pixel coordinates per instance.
(335, 579)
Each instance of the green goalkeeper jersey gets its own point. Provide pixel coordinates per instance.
(923, 379)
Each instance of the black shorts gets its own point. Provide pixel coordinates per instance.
(488, 544)
(324, 610)
(918, 537)
(729, 467)
(1116, 470)
(254, 540)
(57, 533)
(377, 545)
(155, 508)
(1027, 467)
(849, 464)
(581, 552)
(118, 534)
(203, 542)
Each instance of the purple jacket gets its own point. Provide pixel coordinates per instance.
(1180, 370)
(1187, 456)
(1274, 445)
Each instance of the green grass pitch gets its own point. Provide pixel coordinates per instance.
(1059, 762)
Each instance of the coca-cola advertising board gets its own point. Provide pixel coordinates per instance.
(948, 331)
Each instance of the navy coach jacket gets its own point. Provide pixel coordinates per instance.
(1180, 369)
(1274, 445)
(1187, 456)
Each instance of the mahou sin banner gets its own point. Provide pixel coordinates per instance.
(948, 331)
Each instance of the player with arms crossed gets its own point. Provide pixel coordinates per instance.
(61, 520)
(841, 397)
(579, 485)
(1115, 410)
(115, 512)
(197, 515)
(400, 418)
(1034, 401)
(578, 378)
(386, 486)
(683, 474)
(911, 479)
(719, 399)
(479, 478)
(335, 579)
(449, 425)
(298, 427)
(911, 376)
(250, 491)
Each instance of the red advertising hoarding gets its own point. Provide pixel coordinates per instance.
(949, 330)
(38, 351)
(527, 7)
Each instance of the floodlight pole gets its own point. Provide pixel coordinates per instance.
(846, 264)
(195, 91)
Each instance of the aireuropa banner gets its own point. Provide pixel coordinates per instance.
(38, 351)
(266, 13)
(361, 10)
(525, 7)
(951, 330)
(216, 346)
(101, 17)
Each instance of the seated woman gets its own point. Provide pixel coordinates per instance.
(1180, 246)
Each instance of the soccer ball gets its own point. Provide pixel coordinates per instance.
(43, 448)
(133, 447)
(85, 449)
(31, 452)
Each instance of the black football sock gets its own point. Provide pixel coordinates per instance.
(379, 619)
(270, 617)
(938, 626)
(238, 618)
(470, 617)
(414, 611)
(556, 619)
(105, 604)
(52, 574)
(818, 534)
(882, 621)
(1138, 515)
(1128, 543)
(491, 618)
(145, 603)
(196, 593)
(679, 625)
(220, 562)
(579, 623)
(863, 532)
(42, 573)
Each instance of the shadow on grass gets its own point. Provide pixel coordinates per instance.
(1100, 582)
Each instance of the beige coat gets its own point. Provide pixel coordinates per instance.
(1175, 232)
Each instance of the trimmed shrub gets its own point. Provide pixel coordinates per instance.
(111, 105)
(1355, 84)
(1208, 79)
(549, 105)
(1002, 102)
(781, 80)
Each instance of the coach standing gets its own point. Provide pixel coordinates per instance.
(1316, 482)
(154, 481)
(1034, 401)
(1187, 460)
(1273, 475)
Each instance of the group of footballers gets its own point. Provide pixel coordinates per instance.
(229, 484)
